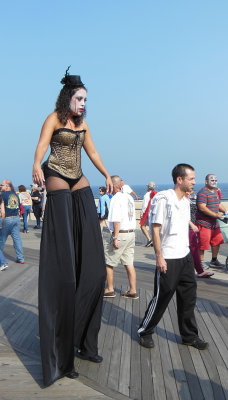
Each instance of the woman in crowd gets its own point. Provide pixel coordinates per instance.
(3, 262)
(26, 201)
(72, 266)
(11, 224)
(194, 239)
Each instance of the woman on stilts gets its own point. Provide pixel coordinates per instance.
(72, 266)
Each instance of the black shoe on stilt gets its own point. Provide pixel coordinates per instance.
(72, 375)
(96, 359)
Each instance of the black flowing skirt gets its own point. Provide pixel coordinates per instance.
(71, 280)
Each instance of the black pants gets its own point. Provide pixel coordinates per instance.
(180, 277)
(37, 210)
(71, 280)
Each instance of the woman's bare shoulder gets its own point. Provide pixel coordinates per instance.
(53, 117)
(51, 121)
(84, 125)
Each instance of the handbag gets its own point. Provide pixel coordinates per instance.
(21, 211)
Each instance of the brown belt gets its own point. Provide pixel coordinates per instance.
(129, 230)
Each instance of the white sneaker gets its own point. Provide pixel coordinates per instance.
(204, 265)
(3, 267)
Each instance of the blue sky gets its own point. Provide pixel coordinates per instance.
(156, 74)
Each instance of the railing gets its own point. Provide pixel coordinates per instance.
(138, 206)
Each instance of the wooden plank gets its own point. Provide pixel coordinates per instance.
(178, 369)
(202, 374)
(83, 366)
(169, 378)
(156, 365)
(135, 365)
(103, 372)
(211, 357)
(157, 371)
(220, 312)
(125, 362)
(223, 375)
(23, 336)
(190, 373)
(146, 370)
(113, 379)
(21, 379)
(214, 333)
(216, 321)
(94, 369)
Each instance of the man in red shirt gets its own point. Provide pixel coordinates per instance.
(209, 210)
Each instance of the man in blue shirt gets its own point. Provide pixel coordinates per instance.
(11, 223)
(103, 207)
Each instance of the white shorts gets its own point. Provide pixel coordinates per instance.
(124, 254)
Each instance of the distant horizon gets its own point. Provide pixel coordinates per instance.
(140, 189)
(130, 184)
(136, 184)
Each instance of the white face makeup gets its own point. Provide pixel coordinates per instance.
(77, 103)
(212, 181)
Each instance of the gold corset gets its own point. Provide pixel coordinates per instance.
(65, 156)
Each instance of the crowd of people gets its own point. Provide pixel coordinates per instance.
(179, 242)
(15, 205)
(74, 263)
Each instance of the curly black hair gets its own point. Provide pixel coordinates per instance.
(63, 104)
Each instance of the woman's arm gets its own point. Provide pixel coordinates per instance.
(44, 141)
(92, 153)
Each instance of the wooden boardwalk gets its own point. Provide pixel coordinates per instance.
(169, 371)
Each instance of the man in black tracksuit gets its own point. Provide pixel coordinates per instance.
(170, 215)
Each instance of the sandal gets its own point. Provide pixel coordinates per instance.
(205, 274)
(110, 294)
(129, 295)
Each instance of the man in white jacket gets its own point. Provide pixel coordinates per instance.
(170, 215)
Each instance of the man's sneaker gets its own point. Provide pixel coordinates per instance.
(149, 243)
(109, 295)
(146, 341)
(128, 295)
(3, 267)
(216, 264)
(204, 265)
(197, 343)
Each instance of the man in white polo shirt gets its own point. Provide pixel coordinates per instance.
(120, 248)
(170, 216)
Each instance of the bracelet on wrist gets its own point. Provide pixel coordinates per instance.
(114, 238)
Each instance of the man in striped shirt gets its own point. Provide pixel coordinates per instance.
(209, 210)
